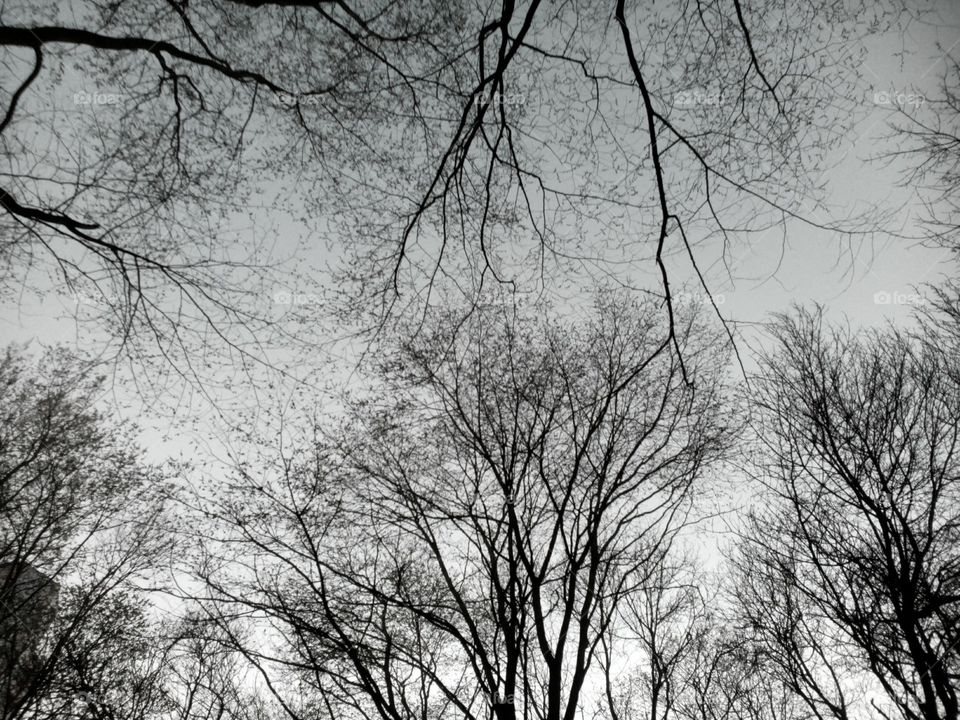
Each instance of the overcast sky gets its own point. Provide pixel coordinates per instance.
(863, 280)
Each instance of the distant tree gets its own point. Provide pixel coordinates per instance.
(681, 655)
(127, 662)
(78, 508)
(112, 666)
(463, 546)
(796, 644)
(851, 567)
(205, 678)
(662, 624)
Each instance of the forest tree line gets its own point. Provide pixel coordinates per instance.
(506, 521)
(513, 510)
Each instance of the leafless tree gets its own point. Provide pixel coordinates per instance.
(462, 547)
(125, 661)
(80, 518)
(851, 570)
(137, 139)
(203, 677)
(688, 658)
(662, 625)
(926, 132)
(110, 669)
(453, 144)
(726, 678)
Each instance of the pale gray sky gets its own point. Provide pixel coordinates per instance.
(865, 281)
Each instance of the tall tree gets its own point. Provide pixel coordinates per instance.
(111, 666)
(80, 519)
(204, 678)
(465, 543)
(853, 566)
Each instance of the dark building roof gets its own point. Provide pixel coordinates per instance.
(26, 592)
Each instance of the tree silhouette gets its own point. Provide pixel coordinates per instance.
(78, 509)
(852, 567)
(436, 150)
(468, 541)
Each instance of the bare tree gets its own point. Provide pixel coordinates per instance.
(204, 678)
(852, 568)
(688, 658)
(80, 519)
(110, 669)
(139, 143)
(731, 680)
(926, 133)
(662, 624)
(795, 643)
(467, 541)
(453, 144)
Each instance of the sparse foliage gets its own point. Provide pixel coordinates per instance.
(465, 543)
(853, 565)
(80, 518)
